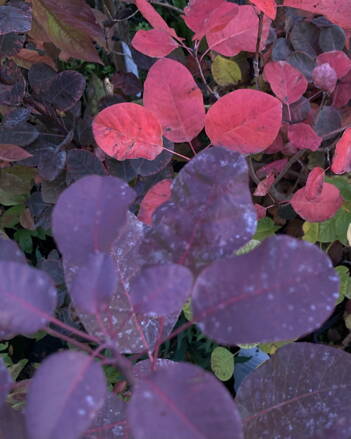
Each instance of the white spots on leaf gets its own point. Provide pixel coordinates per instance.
(90, 400)
(270, 296)
(313, 307)
(293, 243)
(81, 412)
(147, 394)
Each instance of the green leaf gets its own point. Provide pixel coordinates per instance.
(11, 216)
(222, 363)
(265, 227)
(15, 184)
(345, 283)
(24, 239)
(253, 243)
(343, 183)
(17, 368)
(187, 310)
(225, 71)
(271, 348)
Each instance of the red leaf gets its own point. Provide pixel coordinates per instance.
(324, 77)
(303, 136)
(171, 93)
(197, 13)
(260, 210)
(264, 185)
(128, 131)
(154, 42)
(12, 153)
(27, 57)
(338, 12)
(268, 7)
(153, 17)
(276, 166)
(317, 201)
(244, 120)
(154, 197)
(340, 62)
(287, 83)
(276, 146)
(342, 156)
(314, 184)
(342, 92)
(240, 34)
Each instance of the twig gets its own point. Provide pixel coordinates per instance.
(214, 93)
(292, 160)
(256, 63)
(167, 5)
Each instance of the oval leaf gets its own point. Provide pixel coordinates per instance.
(222, 363)
(303, 136)
(86, 220)
(160, 289)
(171, 93)
(154, 42)
(246, 121)
(342, 156)
(225, 71)
(310, 400)
(338, 60)
(173, 402)
(12, 153)
(94, 284)
(154, 197)
(234, 299)
(5, 382)
(64, 396)
(268, 7)
(15, 19)
(24, 310)
(287, 83)
(9, 251)
(128, 131)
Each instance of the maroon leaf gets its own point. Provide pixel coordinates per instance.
(171, 93)
(250, 130)
(81, 163)
(342, 92)
(110, 422)
(5, 382)
(342, 156)
(209, 215)
(84, 218)
(303, 136)
(154, 42)
(276, 167)
(64, 396)
(11, 44)
(94, 284)
(234, 299)
(287, 83)
(127, 83)
(24, 310)
(14, 19)
(66, 90)
(21, 134)
(173, 402)
(310, 400)
(12, 153)
(159, 290)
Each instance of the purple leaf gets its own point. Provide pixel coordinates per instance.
(15, 19)
(131, 332)
(143, 368)
(81, 163)
(182, 401)
(303, 391)
(94, 284)
(9, 251)
(21, 134)
(234, 299)
(51, 163)
(160, 289)
(12, 425)
(209, 215)
(145, 167)
(110, 422)
(64, 396)
(40, 77)
(89, 215)
(11, 43)
(24, 309)
(66, 90)
(5, 382)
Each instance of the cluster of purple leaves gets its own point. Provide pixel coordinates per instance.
(129, 282)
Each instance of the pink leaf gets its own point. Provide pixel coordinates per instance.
(244, 120)
(154, 197)
(314, 184)
(303, 136)
(171, 93)
(315, 203)
(12, 153)
(342, 156)
(128, 131)
(264, 185)
(337, 11)
(153, 17)
(276, 146)
(240, 34)
(342, 92)
(260, 210)
(340, 62)
(268, 7)
(196, 14)
(276, 166)
(324, 77)
(287, 83)
(154, 42)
